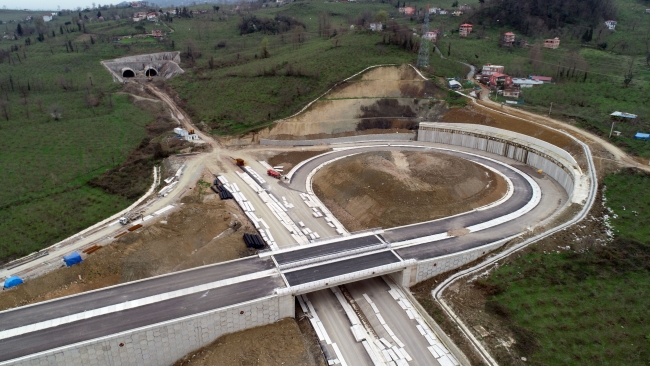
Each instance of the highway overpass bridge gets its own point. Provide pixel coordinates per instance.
(158, 320)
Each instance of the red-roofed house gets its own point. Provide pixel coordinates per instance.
(544, 79)
(500, 80)
(465, 30)
(507, 39)
(552, 43)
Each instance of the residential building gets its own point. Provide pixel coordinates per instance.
(507, 39)
(647, 11)
(431, 36)
(409, 10)
(525, 83)
(152, 17)
(543, 79)
(552, 43)
(456, 13)
(465, 7)
(47, 18)
(611, 24)
(512, 93)
(465, 29)
(500, 80)
(442, 12)
(490, 69)
(376, 27)
(434, 10)
(141, 15)
(157, 33)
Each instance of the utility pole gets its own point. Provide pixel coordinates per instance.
(423, 54)
(612, 129)
(550, 108)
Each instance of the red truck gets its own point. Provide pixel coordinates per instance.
(273, 173)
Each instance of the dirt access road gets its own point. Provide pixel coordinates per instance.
(592, 140)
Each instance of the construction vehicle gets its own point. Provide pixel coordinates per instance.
(130, 216)
(273, 173)
(240, 162)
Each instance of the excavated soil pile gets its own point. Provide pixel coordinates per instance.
(202, 232)
(281, 343)
(493, 119)
(389, 189)
(290, 159)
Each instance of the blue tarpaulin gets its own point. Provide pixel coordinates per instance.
(72, 259)
(642, 136)
(13, 281)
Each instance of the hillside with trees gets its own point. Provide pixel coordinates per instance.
(533, 17)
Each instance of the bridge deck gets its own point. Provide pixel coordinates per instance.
(329, 270)
(307, 252)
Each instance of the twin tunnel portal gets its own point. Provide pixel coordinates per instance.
(128, 72)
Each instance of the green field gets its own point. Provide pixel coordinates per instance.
(588, 307)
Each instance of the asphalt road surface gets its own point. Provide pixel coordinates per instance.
(324, 271)
(396, 318)
(130, 291)
(137, 317)
(336, 323)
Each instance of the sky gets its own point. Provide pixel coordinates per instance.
(51, 4)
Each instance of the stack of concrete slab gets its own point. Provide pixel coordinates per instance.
(437, 349)
(309, 310)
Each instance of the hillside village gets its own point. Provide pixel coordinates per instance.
(104, 95)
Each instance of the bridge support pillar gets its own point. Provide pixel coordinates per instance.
(405, 278)
(286, 306)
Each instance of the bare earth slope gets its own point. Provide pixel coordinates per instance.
(389, 189)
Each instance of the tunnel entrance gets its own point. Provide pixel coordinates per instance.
(151, 72)
(128, 73)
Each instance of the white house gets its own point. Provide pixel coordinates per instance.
(152, 17)
(376, 26)
(611, 24)
(47, 17)
(181, 132)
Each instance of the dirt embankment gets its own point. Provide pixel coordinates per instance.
(384, 99)
(389, 189)
(281, 343)
(486, 117)
(201, 232)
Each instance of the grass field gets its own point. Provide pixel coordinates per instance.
(589, 307)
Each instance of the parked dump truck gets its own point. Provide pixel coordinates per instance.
(240, 162)
(273, 173)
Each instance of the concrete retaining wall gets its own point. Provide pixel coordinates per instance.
(164, 343)
(342, 140)
(433, 267)
(552, 160)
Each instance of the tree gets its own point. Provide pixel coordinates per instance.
(454, 4)
(324, 24)
(629, 75)
(56, 111)
(381, 16)
(28, 41)
(4, 107)
(99, 14)
(264, 48)
(19, 30)
(536, 57)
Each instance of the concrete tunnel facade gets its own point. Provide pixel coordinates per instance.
(128, 72)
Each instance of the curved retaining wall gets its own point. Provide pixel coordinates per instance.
(552, 160)
(342, 140)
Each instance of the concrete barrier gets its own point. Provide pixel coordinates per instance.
(342, 140)
(164, 343)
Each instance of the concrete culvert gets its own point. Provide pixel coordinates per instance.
(151, 72)
(128, 73)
